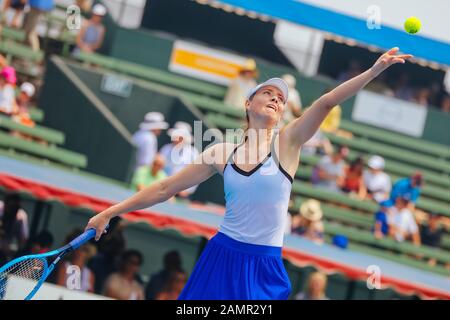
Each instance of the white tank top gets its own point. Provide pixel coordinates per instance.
(256, 202)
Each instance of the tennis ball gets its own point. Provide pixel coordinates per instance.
(412, 25)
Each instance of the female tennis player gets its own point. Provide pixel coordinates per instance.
(243, 260)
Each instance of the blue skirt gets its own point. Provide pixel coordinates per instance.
(232, 270)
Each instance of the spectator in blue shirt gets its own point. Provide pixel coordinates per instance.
(381, 228)
(38, 8)
(409, 187)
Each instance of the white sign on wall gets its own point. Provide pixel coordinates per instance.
(389, 113)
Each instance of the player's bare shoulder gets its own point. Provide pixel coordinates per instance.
(218, 154)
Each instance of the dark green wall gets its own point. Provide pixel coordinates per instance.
(87, 130)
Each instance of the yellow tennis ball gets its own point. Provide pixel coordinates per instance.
(412, 25)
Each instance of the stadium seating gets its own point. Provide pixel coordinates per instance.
(46, 134)
(152, 74)
(51, 152)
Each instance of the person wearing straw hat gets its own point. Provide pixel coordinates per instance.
(310, 223)
(180, 152)
(243, 260)
(145, 139)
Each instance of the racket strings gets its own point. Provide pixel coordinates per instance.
(28, 272)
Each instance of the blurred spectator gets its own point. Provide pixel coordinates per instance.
(353, 179)
(332, 122)
(431, 233)
(3, 60)
(90, 37)
(145, 176)
(330, 171)
(84, 5)
(145, 139)
(402, 225)
(402, 88)
(318, 144)
(309, 223)
(122, 285)
(436, 90)
(377, 182)
(409, 187)
(315, 289)
(27, 91)
(22, 116)
(422, 97)
(18, 6)
(31, 20)
(110, 248)
(14, 229)
(42, 243)
(293, 108)
(353, 70)
(172, 263)
(381, 228)
(74, 273)
(180, 152)
(237, 90)
(445, 103)
(8, 80)
(379, 85)
(173, 287)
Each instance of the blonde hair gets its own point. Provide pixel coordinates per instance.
(319, 276)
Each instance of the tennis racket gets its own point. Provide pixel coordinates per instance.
(21, 278)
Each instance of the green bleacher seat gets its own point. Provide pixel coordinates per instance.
(396, 139)
(214, 105)
(385, 254)
(366, 237)
(340, 215)
(152, 74)
(53, 153)
(14, 49)
(47, 134)
(36, 114)
(13, 34)
(308, 190)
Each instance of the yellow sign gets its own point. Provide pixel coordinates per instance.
(207, 64)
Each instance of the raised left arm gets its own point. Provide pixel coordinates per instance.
(303, 128)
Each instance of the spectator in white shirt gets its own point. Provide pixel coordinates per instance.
(402, 225)
(377, 182)
(145, 139)
(180, 152)
(330, 171)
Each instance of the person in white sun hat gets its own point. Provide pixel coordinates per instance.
(243, 261)
(377, 182)
(145, 139)
(180, 152)
(90, 37)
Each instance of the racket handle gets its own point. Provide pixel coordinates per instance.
(82, 239)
